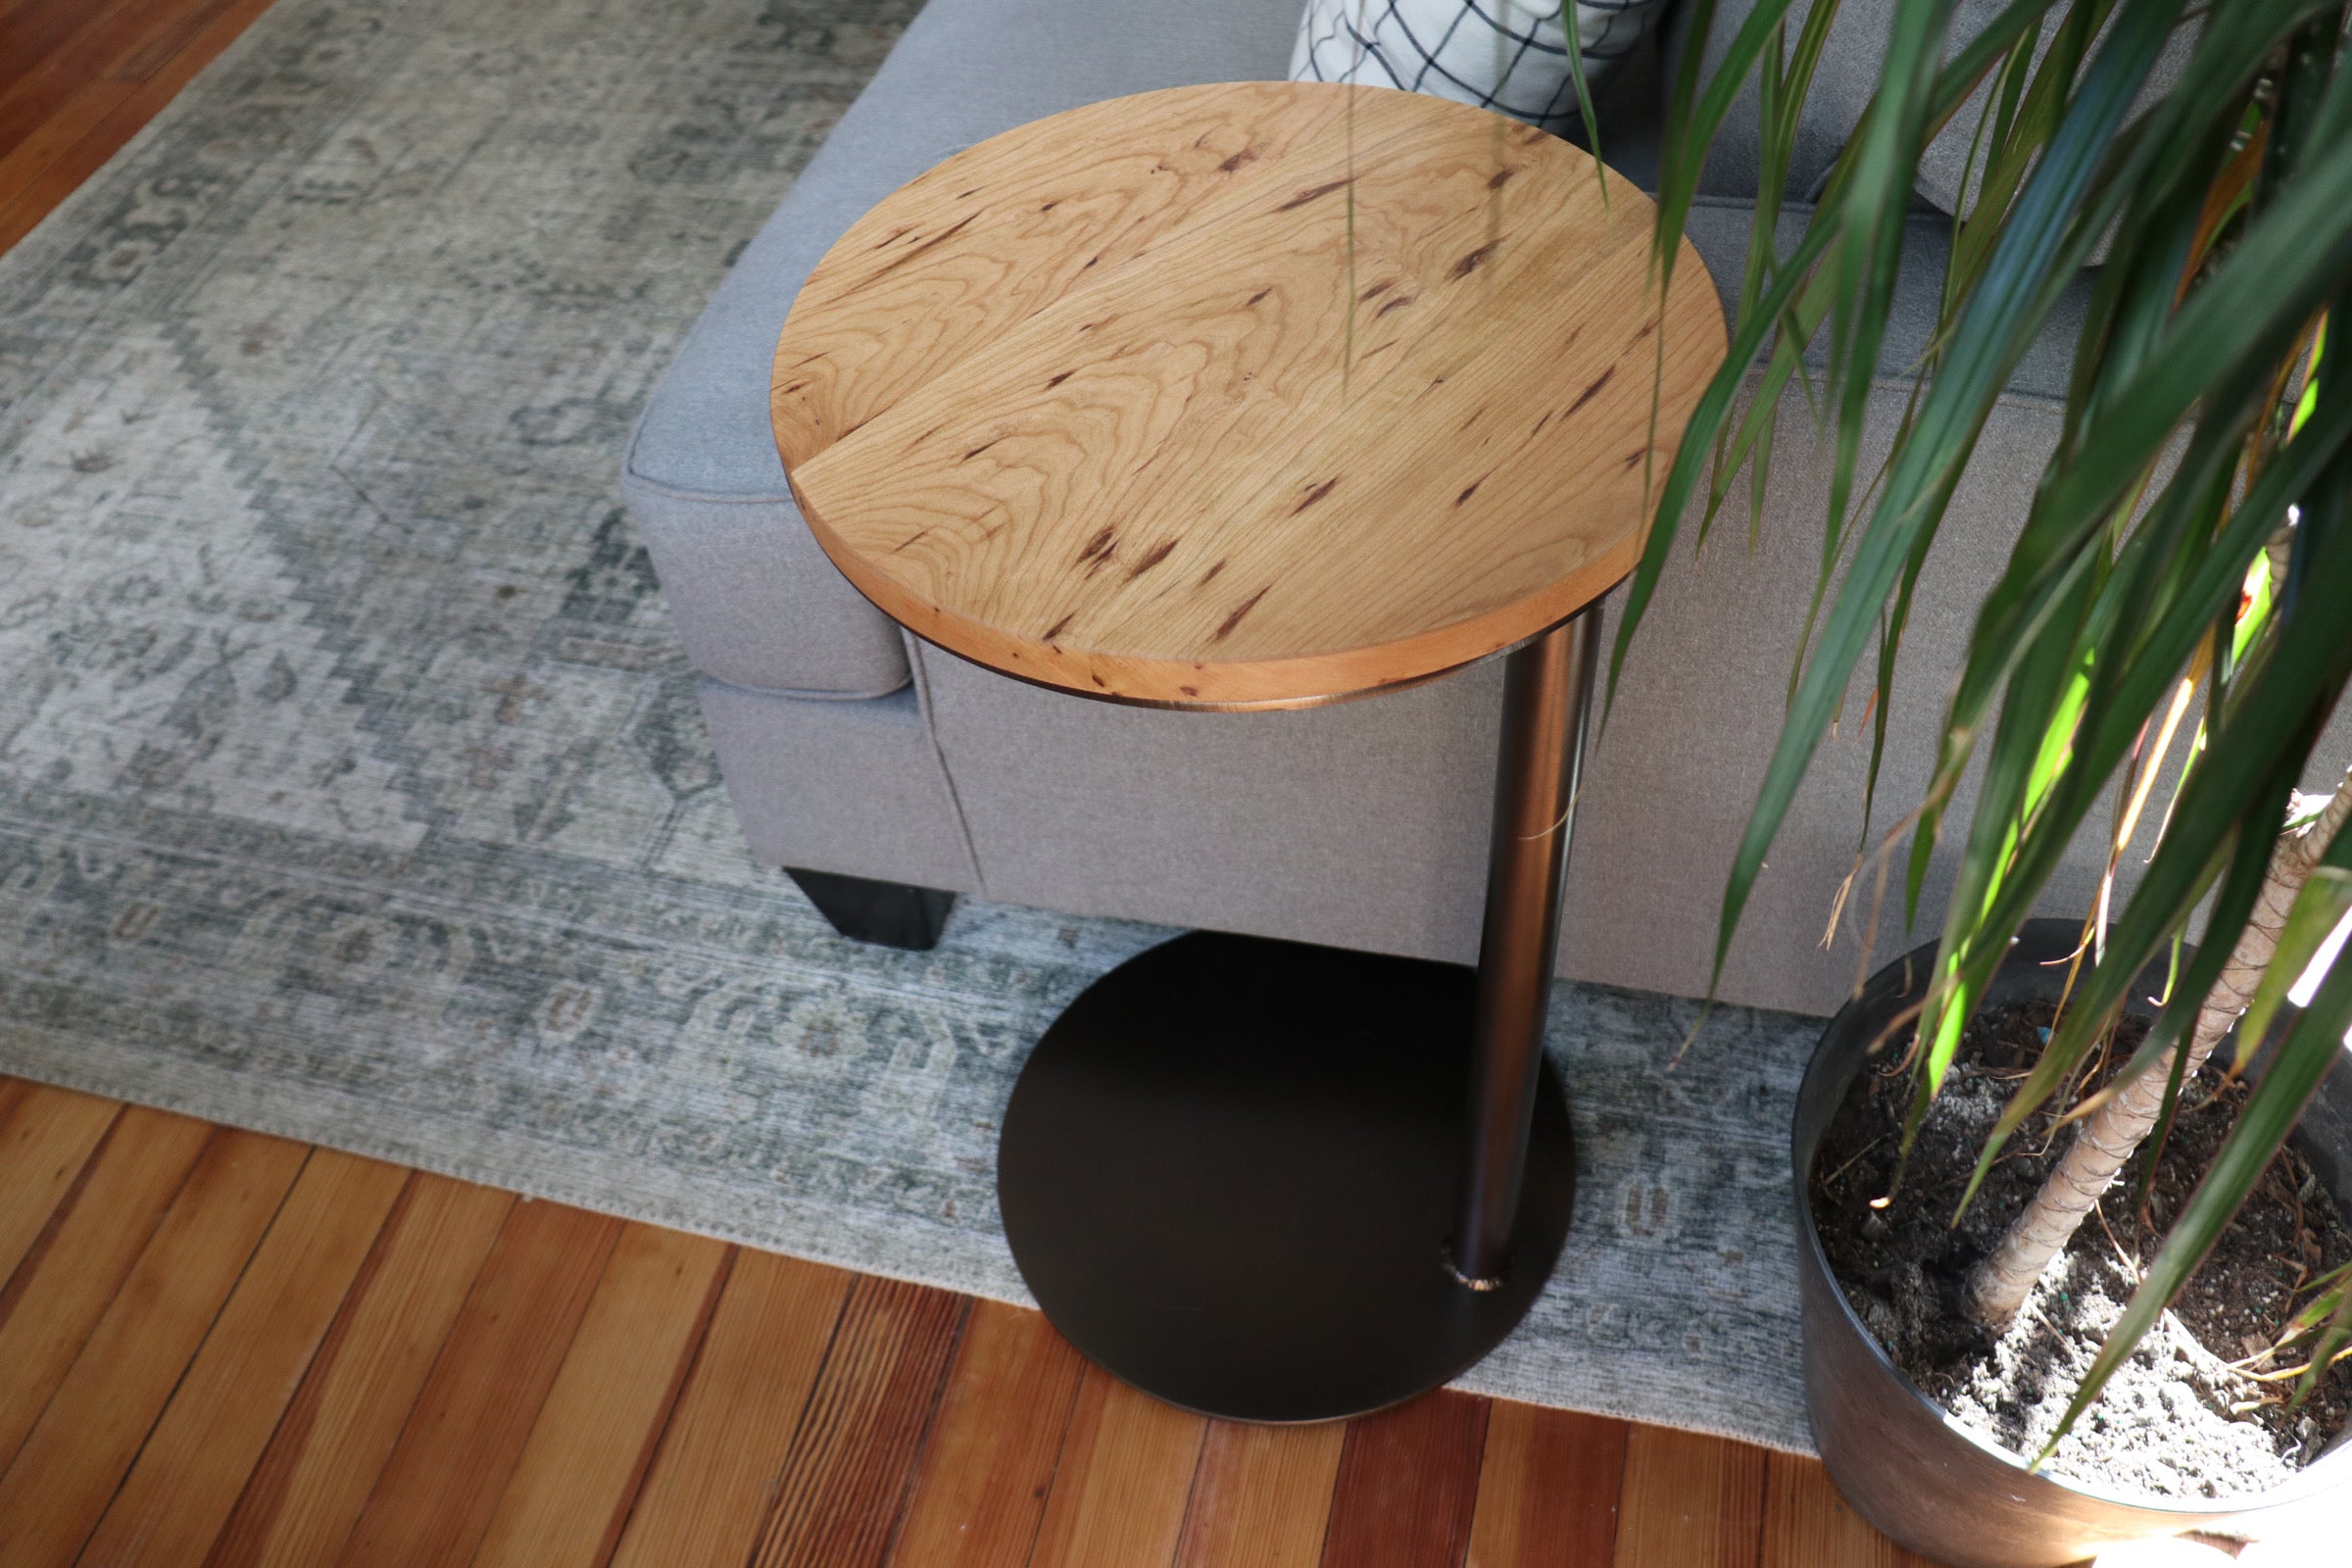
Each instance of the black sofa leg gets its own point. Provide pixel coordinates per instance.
(890, 914)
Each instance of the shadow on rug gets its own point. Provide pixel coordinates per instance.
(350, 782)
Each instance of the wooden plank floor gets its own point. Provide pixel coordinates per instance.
(224, 1350)
(78, 78)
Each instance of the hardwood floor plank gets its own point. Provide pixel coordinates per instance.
(1548, 1490)
(81, 42)
(67, 122)
(980, 1487)
(1262, 1497)
(1126, 1473)
(212, 1434)
(166, 65)
(449, 1369)
(168, 36)
(72, 1271)
(33, 36)
(587, 1455)
(844, 1484)
(46, 1141)
(10, 11)
(25, 205)
(459, 1445)
(1689, 1499)
(322, 1461)
(76, 1454)
(1808, 1525)
(1408, 1485)
(706, 1496)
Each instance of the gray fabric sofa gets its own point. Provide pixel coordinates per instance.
(852, 748)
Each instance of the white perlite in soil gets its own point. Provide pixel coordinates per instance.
(2163, 1426)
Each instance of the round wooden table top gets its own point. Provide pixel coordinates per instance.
(1254, 395)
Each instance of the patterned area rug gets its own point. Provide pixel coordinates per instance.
(351, 783)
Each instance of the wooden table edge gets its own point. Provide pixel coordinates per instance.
(1315, 680)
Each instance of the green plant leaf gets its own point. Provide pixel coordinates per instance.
(2216, 352)
(2264, 745)
(2311, 1048)
(2163, 627)
(2232, 330)
(2332, 1345)
(1690, 460)
(2322, 1306)
(2027, 112)
(2045, 695)
(2259, 753)
(2162, 1133)
(2318, 910)
(1584, 98)
(1696, 116)
(1691, 127)
(2038, 249)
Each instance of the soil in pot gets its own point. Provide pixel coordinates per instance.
(2185, 1418)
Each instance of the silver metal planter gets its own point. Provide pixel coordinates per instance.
(1938, 1488)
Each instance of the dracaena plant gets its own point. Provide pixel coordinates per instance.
(2181, 586)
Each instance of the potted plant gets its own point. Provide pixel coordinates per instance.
(2188, 538)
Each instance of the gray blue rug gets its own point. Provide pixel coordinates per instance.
(351, 783)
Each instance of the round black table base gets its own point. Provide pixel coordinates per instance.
(1230, 1169)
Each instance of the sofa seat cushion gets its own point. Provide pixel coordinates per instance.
(758, 604)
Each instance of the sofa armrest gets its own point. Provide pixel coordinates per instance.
(758, 604)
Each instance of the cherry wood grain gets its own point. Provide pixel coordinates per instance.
(62, 1478)
(1407, 1485)
(46, 1138)
(1547, 1489)
(50, 49)
(197, 1460)
(706, 1497)
(1126, 1471)
(308, 1489)
(571, 1490)
(981, 1483)
(463, 1440)
(1027, 238)
(178, 30)
(1689, 1499)
(1262, 1497)
(72, 1273)
(1147, 424)
(62, 123)
(64, 110)
(1807, 1525)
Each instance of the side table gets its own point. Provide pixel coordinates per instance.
(1248, 396)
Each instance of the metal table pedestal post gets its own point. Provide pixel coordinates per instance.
(1237, 1172)
(1546, 687)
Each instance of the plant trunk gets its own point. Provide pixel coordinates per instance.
(2104, 1140)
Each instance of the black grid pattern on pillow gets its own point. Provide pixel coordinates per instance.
(1491, 53)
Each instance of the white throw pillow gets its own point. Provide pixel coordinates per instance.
(1506, 54)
